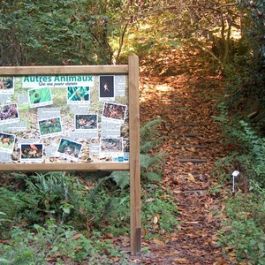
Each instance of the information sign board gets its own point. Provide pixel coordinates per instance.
(83, 118)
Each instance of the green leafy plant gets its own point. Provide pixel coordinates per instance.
(74, 32)
(10, 202)
(55, 194)
(3, 218)
(11, 206)
(159, 212)
(54, 243)
(150, 136)
(244, 230)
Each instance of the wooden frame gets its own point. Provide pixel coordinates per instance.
(132, 70)
(134, 125)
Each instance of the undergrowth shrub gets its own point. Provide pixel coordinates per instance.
(10, 207)
(55, 244)
(55, 195)
(104, 210)
(244, 230)
(248, 155)
(159, 212)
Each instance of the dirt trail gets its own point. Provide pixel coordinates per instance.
(185, 98)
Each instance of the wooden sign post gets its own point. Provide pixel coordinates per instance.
(108, 94)
(135, 186)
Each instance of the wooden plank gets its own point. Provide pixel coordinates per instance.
(134, 128)
(192, 160)
(63, 69)
(104, 166)
(196, 146)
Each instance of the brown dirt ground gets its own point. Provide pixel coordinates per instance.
(182, 90)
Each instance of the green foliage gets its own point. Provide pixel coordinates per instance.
(242, 119)
(151, 164)
(63, 197)
(249, 146)
(250, 159)
(121, 178)
(159, 204)
(54, 32)
(10, 204)
(10, 208)
(151, 167)
(3, 218)
(60, 244)
(255, 26)
(256, 148)
(245, 79)
(245, 229)
(248, 240)
(150, 137)
(100, 207)
(223, 114)
(54, 193)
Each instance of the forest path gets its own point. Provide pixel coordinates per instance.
(181, 89)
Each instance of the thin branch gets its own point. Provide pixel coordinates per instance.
(206, 50)
(121, 42)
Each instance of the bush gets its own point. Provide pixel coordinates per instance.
(54, 243)
(10, 207)
(54, 32)
(159, 214)
(244, 230)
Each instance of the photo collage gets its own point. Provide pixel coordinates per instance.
(64, 119)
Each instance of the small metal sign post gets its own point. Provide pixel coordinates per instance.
(73, 118)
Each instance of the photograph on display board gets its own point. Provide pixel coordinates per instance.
(110, 145)
(9, 114)
(7, 142)
(114, 111)
(31, 152)
(126, 146)
(6, 85)
(106, 84)
(69, 149)
(50, 127)
(77, 95)
(39, 97)
(86, 122)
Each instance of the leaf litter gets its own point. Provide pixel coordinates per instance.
(186, 102)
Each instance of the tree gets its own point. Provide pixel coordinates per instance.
(54, 32)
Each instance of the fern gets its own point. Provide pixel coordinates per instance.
(251, 153)
(150, 136)
(121, 178)
(55, 194)
(151, 165)
(10, 203)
